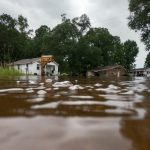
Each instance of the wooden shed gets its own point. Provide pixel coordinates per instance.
(108, 71)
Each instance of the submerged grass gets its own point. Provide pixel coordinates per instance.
(9, 72)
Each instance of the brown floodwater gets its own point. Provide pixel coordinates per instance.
(74, 113)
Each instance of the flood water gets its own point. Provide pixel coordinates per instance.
(74, 114)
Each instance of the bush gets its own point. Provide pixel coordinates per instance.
(9, 72)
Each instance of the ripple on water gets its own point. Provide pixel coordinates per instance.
(97, 85)
(12, 90)
(130, 92)
(76, 87)
(113, 87)
(29, 90)
(115, 97)
(57, 95)
(39, 88)
(125, 97)
(62, 84)
(38, 99)
(120, 111)
(119, 104)
(51, 105)
(89, 86)
(108, 90)
(48, 89)
(41, 92)
(138, 88)
(81, 97)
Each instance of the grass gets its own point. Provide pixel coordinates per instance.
(9, 72)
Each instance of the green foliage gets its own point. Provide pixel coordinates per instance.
(8, 38)
(147, 62)
(130, 52)
(39, 41)
(9, 72)
(13, 38)
(22, 24)
(140, 19)
(76, 46)
(83, 23)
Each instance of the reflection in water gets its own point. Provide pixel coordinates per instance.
(95, 113)
(138, 131)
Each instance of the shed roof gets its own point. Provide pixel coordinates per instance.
(107, 68)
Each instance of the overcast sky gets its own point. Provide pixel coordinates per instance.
(111, 14)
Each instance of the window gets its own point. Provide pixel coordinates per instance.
(38, 67)
(27, 69)
(18, 67)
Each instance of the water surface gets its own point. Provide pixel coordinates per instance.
(74, 113)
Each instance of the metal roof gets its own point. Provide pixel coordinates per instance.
(29, 61)
(26, 61)
(139, 69)
(107, 68)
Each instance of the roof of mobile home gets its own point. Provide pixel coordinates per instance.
(28, 61)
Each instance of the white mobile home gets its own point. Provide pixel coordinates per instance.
(143, 72)
(147, 72)
(33, 66)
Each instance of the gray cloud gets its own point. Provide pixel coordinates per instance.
(111, 14)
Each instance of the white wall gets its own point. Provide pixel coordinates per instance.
(147, 72)
(22, 68)
(56, 67)
(32, 68)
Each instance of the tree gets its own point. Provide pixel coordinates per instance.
(41, 36)
(130, 51)
(82, 23)
(14, 39)
(8, 39)
(139, 19)
(22, 24)
(118, 52)
(24, 38)
(147, 62)
(76, 46)
(96, 48)
(100, 43)
(61, 42)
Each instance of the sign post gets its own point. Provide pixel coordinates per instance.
(44, 60)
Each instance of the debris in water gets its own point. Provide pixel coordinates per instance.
(41, 92)
(76, 87)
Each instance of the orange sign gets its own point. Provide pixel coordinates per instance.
(44, 60)
(47, 58)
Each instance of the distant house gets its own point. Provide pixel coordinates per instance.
(147, 72)
(107, 71)
(140, 72)
(33, 66)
